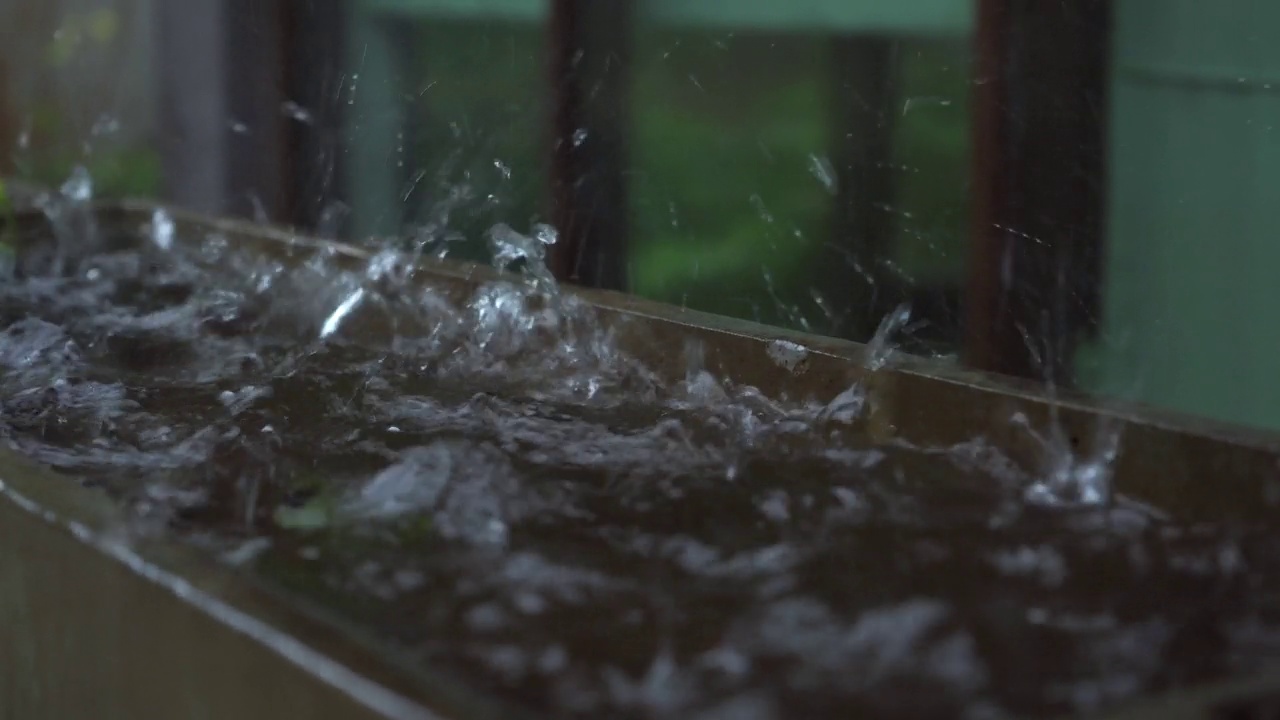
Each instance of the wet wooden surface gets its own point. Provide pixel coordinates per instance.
(84, 633)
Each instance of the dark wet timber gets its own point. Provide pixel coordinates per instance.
(183, 534)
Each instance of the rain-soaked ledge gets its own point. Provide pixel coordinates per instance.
(93, 625)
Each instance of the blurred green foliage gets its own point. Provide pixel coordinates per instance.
(931, 153)
(729, 190)
(57, 143)
(118, 170)
(726, 209)
(478, 109)
(722, 192)
(98, 26)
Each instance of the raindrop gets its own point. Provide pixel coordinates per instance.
(914, 102)
(758, 203)
(105, 125)
(297, 112)
(881, 345)
(822, 169)
(162, 229)
(79, 187)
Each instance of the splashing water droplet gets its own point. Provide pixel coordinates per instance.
(334, 321)
(329, 225)
(545, 234)
(295, 111)
(1069, 476)
(162, 229)
(822, 169)
(757, 202)
(845, 407)
(260, 214)
(509, 247)
(881, 346)
(79, 187)
(75, 227)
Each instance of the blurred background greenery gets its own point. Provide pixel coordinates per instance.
(729, 135)
(81, 93)
(732, 129)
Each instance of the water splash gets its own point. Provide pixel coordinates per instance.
(510, 247)
(506, 481)
(881, 346)
(75, 227)
(849, 404)
(1067, 477)
(822, 169)
(1068, 474)
(162, 229)
(340, 313)
(468, 491)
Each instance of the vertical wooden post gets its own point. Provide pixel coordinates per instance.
(227, 115)
(1038, 204)
(8, 123)
(590, 63)
(862, 100)
(315, 58)
(194, 119)
(260, 165)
